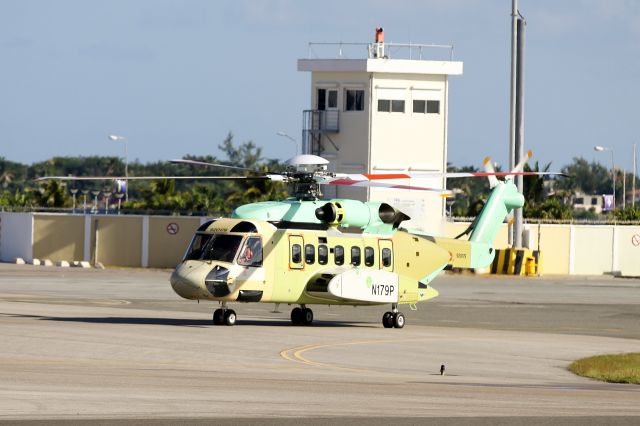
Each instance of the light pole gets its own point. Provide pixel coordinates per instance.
(84, 194)
(74, 191)
(126, 163)
(613, 170)
(285, 135)
(119, 196)
(95, 200)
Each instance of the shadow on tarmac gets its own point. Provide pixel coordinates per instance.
(184, 322)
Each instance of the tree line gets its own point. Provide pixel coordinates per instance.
(547, 198)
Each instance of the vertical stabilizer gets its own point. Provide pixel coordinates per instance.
(503, 199)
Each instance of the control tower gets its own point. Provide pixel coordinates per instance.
(382, 108)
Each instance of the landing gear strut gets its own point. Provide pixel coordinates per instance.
(394, 318)
(301, 315)
(224, 316)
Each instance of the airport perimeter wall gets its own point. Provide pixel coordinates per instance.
(160, 242)
(133, 241)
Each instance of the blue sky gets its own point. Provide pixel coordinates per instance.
(175, 77)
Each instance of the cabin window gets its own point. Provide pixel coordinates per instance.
(323, 254)
(369, 256)
(386, 257)
(198, 243)
(222, 248)
(296, 253)
(355, 256)
(338, 255)
(309, 254)
(354, 100)
(251, 252)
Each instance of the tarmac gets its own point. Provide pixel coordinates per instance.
(117, 346)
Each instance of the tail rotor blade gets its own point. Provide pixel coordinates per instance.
(488, 167)
(520, 166)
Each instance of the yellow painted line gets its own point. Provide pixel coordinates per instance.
(296, 354)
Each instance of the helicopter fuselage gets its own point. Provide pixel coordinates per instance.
(299, 263)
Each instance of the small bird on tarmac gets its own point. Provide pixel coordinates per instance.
(442, 370)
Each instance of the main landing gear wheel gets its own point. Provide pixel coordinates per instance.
(398, 320)
(224, 317)
(393, 319)
(387, 320)
(302, 316)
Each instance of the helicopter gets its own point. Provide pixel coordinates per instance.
(306, 251)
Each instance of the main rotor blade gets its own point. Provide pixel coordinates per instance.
(427, 175)
(379, 184)
(83, 178)
(203, 163)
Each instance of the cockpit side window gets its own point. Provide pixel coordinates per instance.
(194, 252)
(251, 252)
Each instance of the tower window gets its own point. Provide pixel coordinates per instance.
(354, 100)
(426, 107)
(327, 99)
(433, 107)
(397, 106)
(386, 105)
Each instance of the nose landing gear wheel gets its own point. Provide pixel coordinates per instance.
(218, 317)
(230, 317)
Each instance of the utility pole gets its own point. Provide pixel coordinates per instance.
(516, 122)
(633, 182)
(512, 101)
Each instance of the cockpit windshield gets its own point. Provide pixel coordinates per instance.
(214, 247)
(197, 245)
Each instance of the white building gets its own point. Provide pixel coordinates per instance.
(383, 112)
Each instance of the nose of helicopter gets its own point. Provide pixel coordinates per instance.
(187, 282)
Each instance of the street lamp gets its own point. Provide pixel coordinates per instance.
(74, 191)
(613, 170)
(84, 194)
(106, 197)
(95, 200)
(285, 135)
(126, 163)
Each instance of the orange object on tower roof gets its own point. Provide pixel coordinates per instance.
(379, 35)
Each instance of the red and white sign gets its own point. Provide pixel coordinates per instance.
(173, 228)
(635, 240)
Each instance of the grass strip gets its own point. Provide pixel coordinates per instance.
(618, 368)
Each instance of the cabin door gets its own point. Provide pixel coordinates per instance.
(386, 255)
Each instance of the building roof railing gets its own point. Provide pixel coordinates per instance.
(411, 51)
